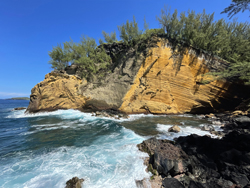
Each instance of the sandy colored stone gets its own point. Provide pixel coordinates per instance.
(151, 83)
(175, 129)
(161, 88)
(57, 91)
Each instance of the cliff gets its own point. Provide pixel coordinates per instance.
(152, 80)
(57, 91)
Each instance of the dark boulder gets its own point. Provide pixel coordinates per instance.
(172, 183)
(75, 182)
(71, 70)
(169, 159)
(20, 108)
(207, 127)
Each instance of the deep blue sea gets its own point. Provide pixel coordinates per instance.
(45, 150)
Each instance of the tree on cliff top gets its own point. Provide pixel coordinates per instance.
(228, 40)
(59, 59)
(85, 53)
(109, 38)
(236, 6)
(129, 31)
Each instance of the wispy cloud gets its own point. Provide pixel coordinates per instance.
(9, 94)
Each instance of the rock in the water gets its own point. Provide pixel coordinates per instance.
(242, 119)
(20, 108)
(239, 112)
(207, 127)
(75, 182)
(201, 161)
(210, 116)
(174, 129)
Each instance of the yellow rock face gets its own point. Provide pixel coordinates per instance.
(57, 91)
(160, 87)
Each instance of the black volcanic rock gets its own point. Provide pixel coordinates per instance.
(201, 161)
(75, 182)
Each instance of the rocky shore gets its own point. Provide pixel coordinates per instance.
(201, 161)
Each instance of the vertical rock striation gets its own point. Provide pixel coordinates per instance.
(153, 80)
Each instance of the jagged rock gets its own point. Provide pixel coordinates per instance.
(174, 129)
(19, 108)
(217, 133)
(169, 159)
(207, 127)
(110, 114)
(57, 91)
(201, 161)
(242, 120)
(75, 182)
(239, 112)
(71, 70)
(210, 116)
(172, 183)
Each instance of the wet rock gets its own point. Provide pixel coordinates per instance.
(175, 129)
(149, 146)
(172, 183)
(218, 133)
(169, 159)
(19, 108)
(110, 114)
(207, 127)
(242, 120)
(201, 161)
(75, 182)
(194, 184)
(239, 112)
(210, 116)
(142, 183)
(97, 113)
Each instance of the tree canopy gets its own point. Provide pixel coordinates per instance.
(85, 54)
(236, 6)
(228, 40)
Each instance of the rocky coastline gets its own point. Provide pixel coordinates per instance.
(150, 81)
(201, 161)
(146, 81)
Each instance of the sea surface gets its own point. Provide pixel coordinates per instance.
(44, 150)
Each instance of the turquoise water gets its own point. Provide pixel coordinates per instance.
(46, 149)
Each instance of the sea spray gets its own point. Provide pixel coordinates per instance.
(48, 148)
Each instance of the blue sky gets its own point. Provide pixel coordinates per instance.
(29, 29)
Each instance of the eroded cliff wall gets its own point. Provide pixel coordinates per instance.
(57, 91)
(163, 86)
(153, 82)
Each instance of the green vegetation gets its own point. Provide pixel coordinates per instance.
(129, 31)
(19, 98)
(228, 40)
(236, 6)
(91, 59)
(109, 38)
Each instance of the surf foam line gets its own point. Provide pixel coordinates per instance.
(185, 131)
(73, 114)
(111, 161)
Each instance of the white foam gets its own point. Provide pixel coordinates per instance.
(185, 131)
(111, 161)
(66, 114)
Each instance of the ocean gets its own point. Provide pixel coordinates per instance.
(44, 150)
